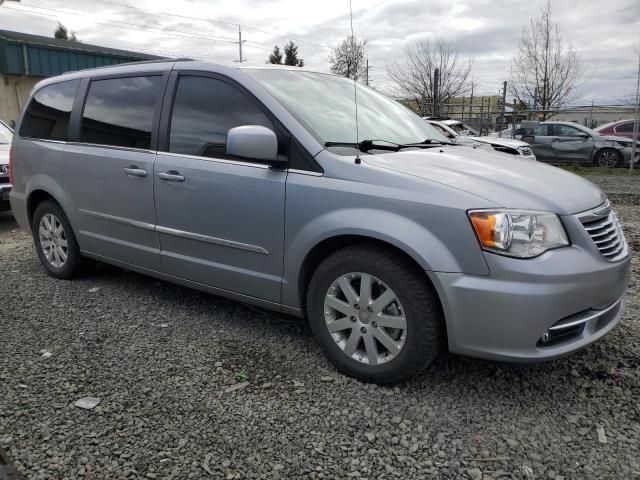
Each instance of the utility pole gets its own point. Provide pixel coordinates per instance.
(367, 76)
(636, 122)
(513, 119)
(504, 99)
(535, 102)
(240, 42)
(436, 92)
(471, 102)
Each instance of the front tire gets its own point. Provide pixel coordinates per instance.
(374, 315)
(608, 158)
(55, 241)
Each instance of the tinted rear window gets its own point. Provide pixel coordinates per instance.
(119, 111)
(48, 113)
(625, 128)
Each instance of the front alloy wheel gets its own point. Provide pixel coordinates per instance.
(374, 313)
(365, 318)
(608, 158)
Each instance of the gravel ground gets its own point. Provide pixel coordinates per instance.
(168, 365)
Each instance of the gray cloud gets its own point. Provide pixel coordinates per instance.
(606, 37)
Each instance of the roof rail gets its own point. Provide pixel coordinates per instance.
(142, 62)
(159, 60)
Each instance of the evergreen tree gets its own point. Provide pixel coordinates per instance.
(276, 56)
(62, 33)
(291, 55)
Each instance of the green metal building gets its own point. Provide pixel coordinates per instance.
(26, 59)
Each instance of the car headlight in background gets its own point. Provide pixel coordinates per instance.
(518, 233)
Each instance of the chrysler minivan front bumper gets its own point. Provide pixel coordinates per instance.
(535, 309)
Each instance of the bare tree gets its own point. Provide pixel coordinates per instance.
(350, 58)
(414, 78)
(545, 71)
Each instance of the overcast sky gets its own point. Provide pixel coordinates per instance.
(606, 35)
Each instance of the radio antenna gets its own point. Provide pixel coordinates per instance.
(355, 85)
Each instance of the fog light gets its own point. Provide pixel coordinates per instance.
(545, 337)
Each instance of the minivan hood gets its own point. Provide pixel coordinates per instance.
(508, 182)
(4, 153)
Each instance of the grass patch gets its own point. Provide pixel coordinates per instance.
(593, 171)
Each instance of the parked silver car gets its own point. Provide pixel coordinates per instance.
(6, 135)
(252, 183)
(574, 143)
(509, 146)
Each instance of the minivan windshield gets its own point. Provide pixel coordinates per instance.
(324, 105)
(5, 134)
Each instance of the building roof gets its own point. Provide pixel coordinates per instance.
(35, 55)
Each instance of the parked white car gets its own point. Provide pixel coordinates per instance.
(466, 135)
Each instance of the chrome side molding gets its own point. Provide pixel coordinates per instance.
(214, 240)
(178, 233)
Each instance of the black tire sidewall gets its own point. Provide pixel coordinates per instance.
(422, 311)
(71, 266)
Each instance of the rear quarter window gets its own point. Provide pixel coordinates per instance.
(47, 115)
(120, 111)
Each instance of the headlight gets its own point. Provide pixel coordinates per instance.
(521, 234)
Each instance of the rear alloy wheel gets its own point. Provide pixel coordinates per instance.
(374, 314)
(608, 158)
(55, 242)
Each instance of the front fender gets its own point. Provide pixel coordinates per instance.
(416, 240)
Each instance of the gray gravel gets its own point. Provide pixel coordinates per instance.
(169, 365)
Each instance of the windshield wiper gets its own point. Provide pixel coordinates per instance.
(367, 145)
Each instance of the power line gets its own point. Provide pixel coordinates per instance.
(247, 27)
(130, 26)
(144, 28)
(165, 53)
(221, 22)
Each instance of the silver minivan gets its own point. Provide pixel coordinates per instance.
(259, 184)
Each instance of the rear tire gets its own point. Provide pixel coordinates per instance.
(55, 241)
(608, 158)
(385, 333)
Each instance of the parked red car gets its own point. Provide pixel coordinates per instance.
(621, 128)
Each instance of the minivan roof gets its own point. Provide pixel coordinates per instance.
(160, 65)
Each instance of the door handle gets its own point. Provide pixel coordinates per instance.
(171, 176)
(135, 171)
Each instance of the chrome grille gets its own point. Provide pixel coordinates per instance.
(604, 228)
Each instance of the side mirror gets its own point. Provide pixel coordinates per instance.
(253, 142)
(584, 136)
